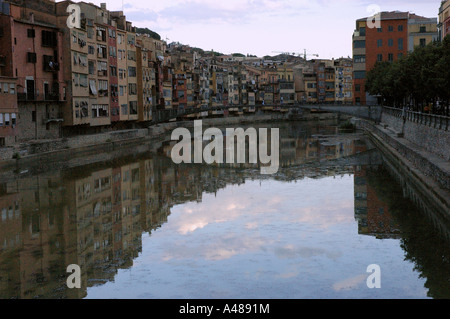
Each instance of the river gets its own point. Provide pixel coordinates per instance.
(140, 226)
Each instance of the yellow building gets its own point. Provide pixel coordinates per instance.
(421, 31)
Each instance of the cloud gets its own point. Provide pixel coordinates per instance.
(350, 283)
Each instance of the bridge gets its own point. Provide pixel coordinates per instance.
(367, 112)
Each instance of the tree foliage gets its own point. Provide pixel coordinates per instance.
(151, 33)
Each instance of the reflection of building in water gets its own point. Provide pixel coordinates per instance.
(95, 217)
(372, 214)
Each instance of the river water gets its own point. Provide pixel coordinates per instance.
(140, 226)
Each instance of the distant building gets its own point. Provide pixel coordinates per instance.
(444, 19)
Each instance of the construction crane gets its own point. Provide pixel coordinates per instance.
(306, 55)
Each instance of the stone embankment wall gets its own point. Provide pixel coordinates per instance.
(427, 131)
(83, 142)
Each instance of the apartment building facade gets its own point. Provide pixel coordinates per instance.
(33, 55)
(397, 34)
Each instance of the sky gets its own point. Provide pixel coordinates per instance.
(262, 27)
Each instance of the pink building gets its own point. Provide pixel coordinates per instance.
(31, 51)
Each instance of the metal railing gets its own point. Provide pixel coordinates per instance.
(430, 120)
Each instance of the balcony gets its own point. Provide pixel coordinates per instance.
(27, 97)
(48, 118)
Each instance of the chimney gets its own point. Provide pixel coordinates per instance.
(103, 6)
(32, 17)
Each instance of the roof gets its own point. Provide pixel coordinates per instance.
(397, 15)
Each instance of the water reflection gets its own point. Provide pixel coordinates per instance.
(98, 217)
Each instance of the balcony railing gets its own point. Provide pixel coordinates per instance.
(24, 97)
(431, 120)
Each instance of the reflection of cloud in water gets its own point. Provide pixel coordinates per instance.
(255, 217)
(291, 251)
(350, 283)
(311, 204)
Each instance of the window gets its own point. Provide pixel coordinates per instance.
(90, 33)
(91, 67)
(390, 42)
(132, 89)
(124, 109)
(390, 28)
(131, 55)
(12, 88)
(379, 57)
(390, 57)
(31, 57)
(379, 43)
(360, 75)
(102, 88)
(101, 34)
(122, 74)
(13, 119)
(131, 39)
(102, 52)
(102, 68)
(7, 119)
(357, 87)
(1, 119)
(423, 29)
(423, 42)
(83, 80)
(92, 87)
(49, 39)
(91, 49)
(50, 64)
(400, 43)
(112, 51)
(99, 110)
(122, 90)
(76, 79)
(380, 29)
(31, 33)
(113, 71)
(5, 88)
(359, 58)
(362, 32)
(131, 72)
(400, 28)
(133, 108)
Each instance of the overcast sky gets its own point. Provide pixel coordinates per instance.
(261, 27)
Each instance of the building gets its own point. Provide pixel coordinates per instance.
(444, 19)
(421, 31)
(8, 111)
(344, 81)
(33, 55)
(287, 85)
(398, 34)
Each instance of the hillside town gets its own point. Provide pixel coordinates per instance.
(107, 74)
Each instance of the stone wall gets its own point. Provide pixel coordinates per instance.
(426, 165)
(40, 147)
(430, 132)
